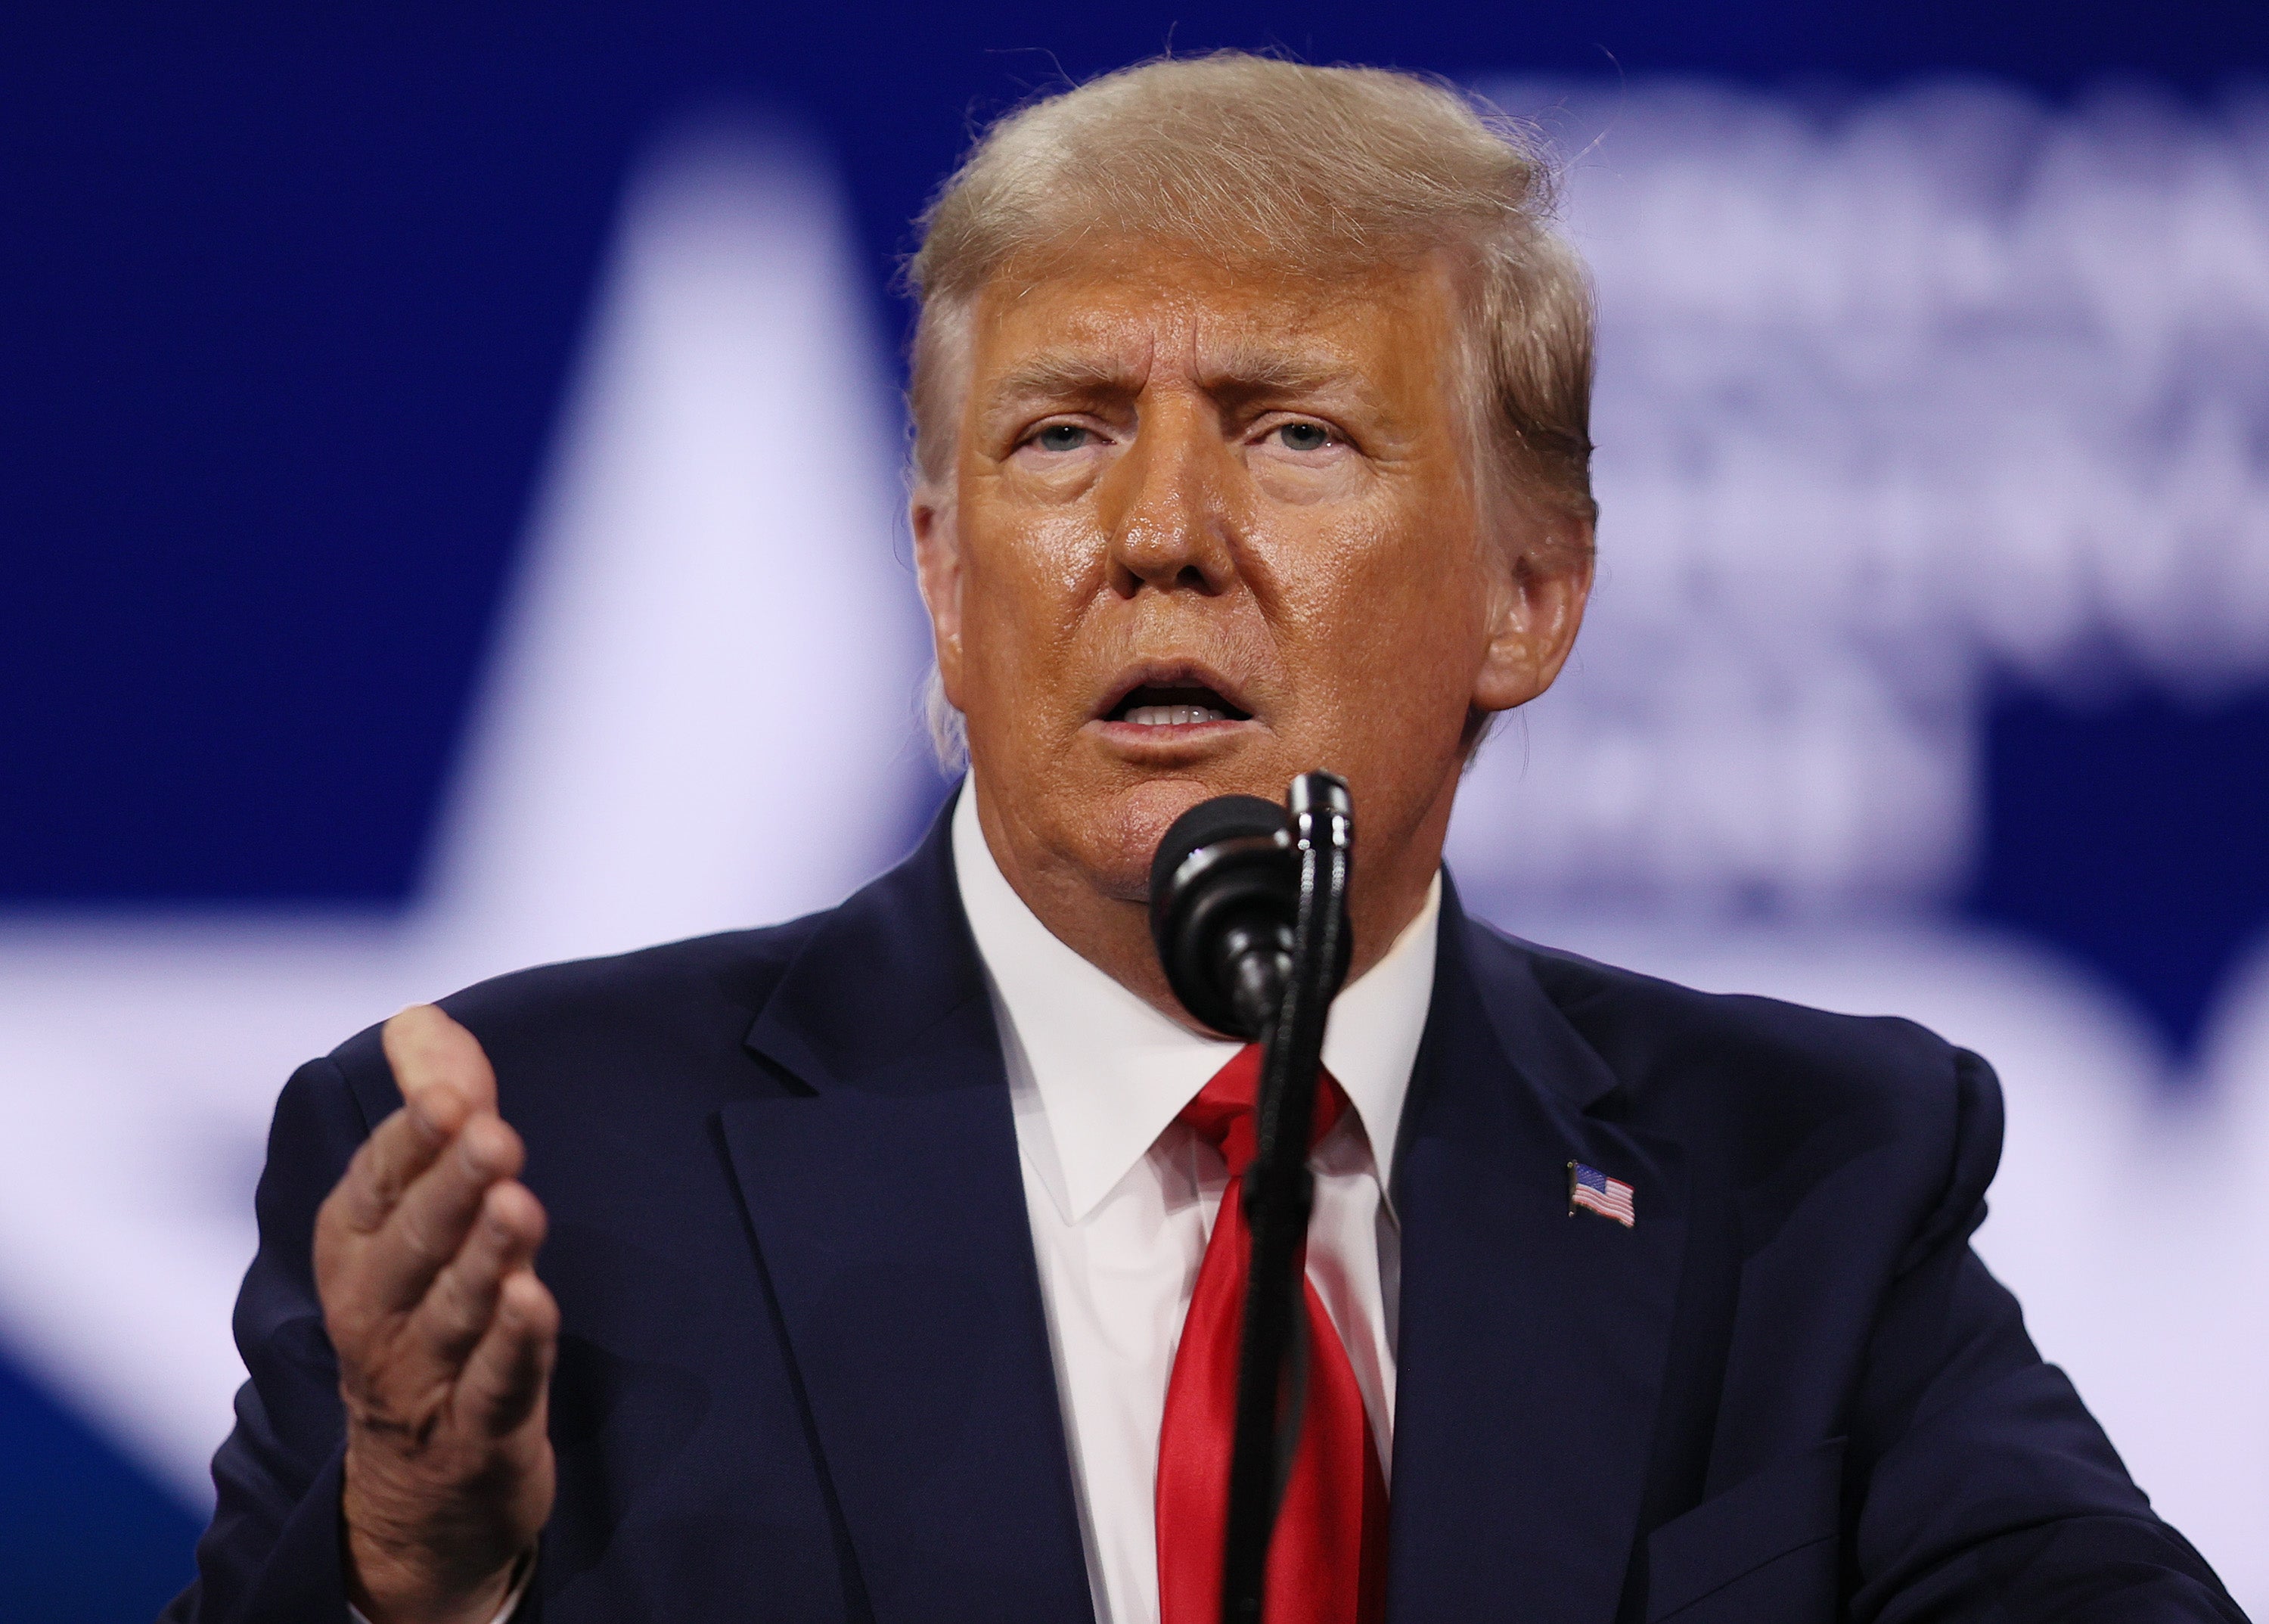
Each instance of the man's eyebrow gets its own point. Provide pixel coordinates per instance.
(1241, 373)
(1254, 370)
(1048, 377)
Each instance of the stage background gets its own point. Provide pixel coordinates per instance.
(450, 521)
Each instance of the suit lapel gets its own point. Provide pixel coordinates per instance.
(888, 1208)
(1531, 1342)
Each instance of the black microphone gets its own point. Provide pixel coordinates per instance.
(1224, 898)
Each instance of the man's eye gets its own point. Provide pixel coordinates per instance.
(1303, 437)
(1061, 437)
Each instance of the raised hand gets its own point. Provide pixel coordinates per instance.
(425, 1258)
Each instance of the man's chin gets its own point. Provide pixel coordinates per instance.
(1105, 813)
(1140, 812)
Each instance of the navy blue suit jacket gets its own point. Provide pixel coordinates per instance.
(804, 1374)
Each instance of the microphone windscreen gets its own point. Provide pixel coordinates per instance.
(1225, 817)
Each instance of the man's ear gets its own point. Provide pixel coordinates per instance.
(1537, 606)
(937, 567)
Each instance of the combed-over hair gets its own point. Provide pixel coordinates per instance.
(1313, 171)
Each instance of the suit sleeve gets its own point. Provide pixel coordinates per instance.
(272, 1553)
(1987, 1491)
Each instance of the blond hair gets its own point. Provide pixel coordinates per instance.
(1316, 170)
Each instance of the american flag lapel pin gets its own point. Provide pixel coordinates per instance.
(1593, 1190)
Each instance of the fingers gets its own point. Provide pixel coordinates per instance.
(445, 1080)
(392, 1158)
(461, 1304)
(431, 1220)
(431, 1242)
(508, 1369)
(428, 1051)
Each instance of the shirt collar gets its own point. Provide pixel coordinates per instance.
(1109, 1073)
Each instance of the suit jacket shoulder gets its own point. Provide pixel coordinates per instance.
(1745, 1081)
(1661, 1038)
(685, 997)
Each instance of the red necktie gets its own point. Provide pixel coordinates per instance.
(1328, 1558)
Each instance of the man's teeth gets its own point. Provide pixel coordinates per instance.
(1174, 715)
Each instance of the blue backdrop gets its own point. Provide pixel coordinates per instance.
(290, 306)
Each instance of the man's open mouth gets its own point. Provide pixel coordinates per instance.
(1179, 706)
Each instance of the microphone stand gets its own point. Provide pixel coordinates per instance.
(1279, 1191)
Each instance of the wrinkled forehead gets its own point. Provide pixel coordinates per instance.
(1126, 314)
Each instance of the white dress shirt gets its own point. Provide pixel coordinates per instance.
(1122, 1197)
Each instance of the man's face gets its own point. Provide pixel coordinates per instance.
(1209, 529)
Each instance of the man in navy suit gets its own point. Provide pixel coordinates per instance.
(879, 1275)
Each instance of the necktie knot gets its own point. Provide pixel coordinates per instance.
(1224, 1112)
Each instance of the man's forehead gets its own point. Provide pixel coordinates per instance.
(1109, 329)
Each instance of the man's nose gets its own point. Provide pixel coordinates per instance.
(1167, 507)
